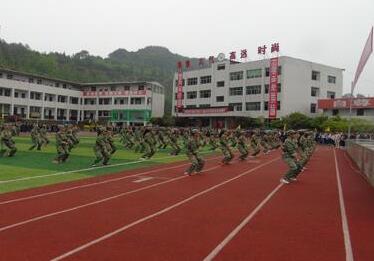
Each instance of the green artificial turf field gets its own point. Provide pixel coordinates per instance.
(27, 164)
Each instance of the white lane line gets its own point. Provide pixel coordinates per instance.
(87, 169)
(345, 227)
(233, 233)
(158, 213)
(94, 202)
(94, 184)
(142, 179)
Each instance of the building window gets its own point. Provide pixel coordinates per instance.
(314, 92)
(61, 99)
(23, 95)
(35, 96)
(9, 76)
(93, 89)
(74, 100)
(4, 92)
(190, 106)
(236, 106)
(140, 88)
(205, 94)
(205, 79)
(104, 101)
(255, 73)
(221, 67)
(267, 88)
(220, 98)
(16, 95)
(360, 112)
(192, 81)
(253, 106)
(266, 105)
(31, 80)
(316, 76)
(136, 100)
(57, 84)
(331, 95)
(237, 91)
(331, 79)
(64, 85)
(39, 81)
(191, 95)
(235, 76)
(254, 89)
(267, 71)
(204, 106)
(176, 82)
(1, 75)
(313, 108)
(221, 84)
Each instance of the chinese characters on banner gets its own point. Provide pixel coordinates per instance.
(180, 87)
(273, 88)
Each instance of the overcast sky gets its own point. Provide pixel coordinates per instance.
(332, 32)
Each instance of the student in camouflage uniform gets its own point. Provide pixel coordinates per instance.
(264, 141)
(35, 138)
(149, 144)
(290, 157)
(110, 140)
(43, 135)
(192, 151)
(241, 144)
(100, 148)
(6, 140)
(173, 140)
(62, 145)
(255, 144)
(212, 140)
(225, 148)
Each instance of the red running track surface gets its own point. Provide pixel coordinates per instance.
(176, 217)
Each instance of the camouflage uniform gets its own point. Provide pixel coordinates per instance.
(241, 145)
(289, 156)
(192, 151)
(43, 135)
(35, 138)
(100, 148)
(225, 148)
(6, 139)
(149, 144)
(173, 139)
(255, 144)
(62, 146)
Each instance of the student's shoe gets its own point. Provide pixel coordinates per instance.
(187, 173)
(284, 181)
(293, 179)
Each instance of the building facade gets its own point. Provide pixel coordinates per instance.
(218, 94)
(34, 97)
(362, 108)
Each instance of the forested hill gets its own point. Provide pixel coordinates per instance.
(152, 63)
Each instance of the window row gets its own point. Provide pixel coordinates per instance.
(253, 73)
(249, 106)
(316, 76)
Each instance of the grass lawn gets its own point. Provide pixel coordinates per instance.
(36, 163)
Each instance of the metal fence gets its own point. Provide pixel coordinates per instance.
(362, 153)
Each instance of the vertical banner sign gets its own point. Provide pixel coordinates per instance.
(273, 88)
(179, 87)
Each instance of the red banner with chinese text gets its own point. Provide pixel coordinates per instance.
(180, 88)
(273, 88)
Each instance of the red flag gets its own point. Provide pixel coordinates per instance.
(368, 50)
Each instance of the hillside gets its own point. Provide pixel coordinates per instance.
(152, 63)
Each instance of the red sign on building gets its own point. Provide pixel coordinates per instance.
(180, 87)
(344, 103)
(207, 110)
(273, 88)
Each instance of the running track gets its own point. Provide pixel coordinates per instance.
(236, 212)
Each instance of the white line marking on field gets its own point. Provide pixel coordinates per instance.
(345, 227)
(142, 179)
(93, 184)
(115, 232)
(87, 169)
(94, 202)
(233, 233)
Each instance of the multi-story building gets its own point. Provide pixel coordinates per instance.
(217, 95)
(361, 108)
(36, 97)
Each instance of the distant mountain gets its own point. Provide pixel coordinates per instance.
(152, 63)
